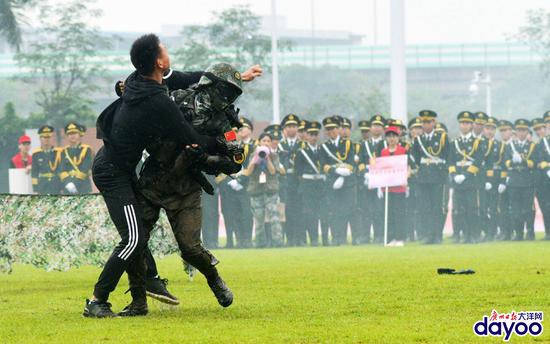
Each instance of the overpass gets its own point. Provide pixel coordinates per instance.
(359, 57)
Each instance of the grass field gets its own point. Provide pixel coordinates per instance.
(364, 294)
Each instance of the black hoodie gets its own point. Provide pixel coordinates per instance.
(143, 116)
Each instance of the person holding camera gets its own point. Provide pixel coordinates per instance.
(263, 188)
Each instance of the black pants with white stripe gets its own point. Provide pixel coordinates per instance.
(117, 188)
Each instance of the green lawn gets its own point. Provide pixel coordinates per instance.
(364, 294)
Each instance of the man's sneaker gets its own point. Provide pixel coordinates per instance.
(96, 309)
(156, 288)
(221, 291)
(134, 309)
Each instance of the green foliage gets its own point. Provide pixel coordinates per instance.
(360, 294)
(536, 33)
(235, 30)
(10, 20)
(63, 57)
(11, 127)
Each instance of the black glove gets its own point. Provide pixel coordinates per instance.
(232, 115)
(196, 154)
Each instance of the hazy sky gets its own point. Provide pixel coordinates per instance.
(427, 21)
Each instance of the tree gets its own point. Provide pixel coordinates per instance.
(10, 20)
(536, 34)
(234, 35)
(64, 57)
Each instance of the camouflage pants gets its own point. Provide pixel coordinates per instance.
(265, 209)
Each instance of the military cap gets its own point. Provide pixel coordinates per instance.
(491, 122)
(465, 116)
(330, 122)
(82, 129)
(275, 135)
(522, 123)
(504, 124)
(346, 122)
(313, 126)
(396, 123)
(377, 119)
(290, 119)
(537, 123)
(46, 131)
(480, 117)
(302, 125)
(272, 128)
(246, 123)
(72, 127)
(440, 127)
(427, 115)
(546, 116)
(338, 119)
(363, 125)
(415, 123)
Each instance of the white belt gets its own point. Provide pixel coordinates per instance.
(431, 161)
(313, 176)
(464, 163)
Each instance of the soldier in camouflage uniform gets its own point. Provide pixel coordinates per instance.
(170, 180)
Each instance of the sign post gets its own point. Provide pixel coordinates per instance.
(385, 172)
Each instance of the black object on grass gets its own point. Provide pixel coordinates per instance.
(449, 271)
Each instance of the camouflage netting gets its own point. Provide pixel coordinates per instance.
(60, 232)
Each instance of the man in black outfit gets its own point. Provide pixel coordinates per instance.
(144, 115)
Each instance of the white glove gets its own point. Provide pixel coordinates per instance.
(71, 188)
(501, 188)
(338, 183)
(380, 193)
(342, 171)
(459, 178)
(235, 185)
(488, 186)
(548, 173)
(366, 181)
(516, 158)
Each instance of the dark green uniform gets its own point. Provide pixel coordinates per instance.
(44, 173)
(519, 160)
(372, 207)
(235, 205)
(430, 153)
(311, 181)
(493, 176)
(465, 160)
(542, 186)
(75, 167)
(293, 228)
(337, 156)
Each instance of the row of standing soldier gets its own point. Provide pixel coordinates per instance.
(324, 185)
(62, 170)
